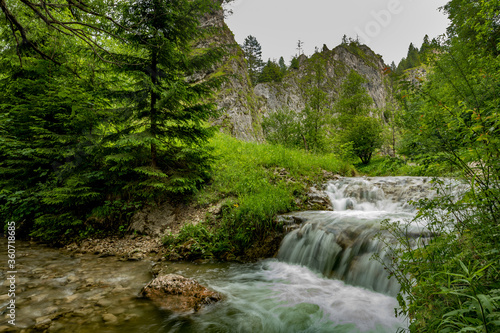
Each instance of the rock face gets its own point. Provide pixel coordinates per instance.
(236, 100)
(153, 221)
(335, 64)
(179, 294)
(242, 106)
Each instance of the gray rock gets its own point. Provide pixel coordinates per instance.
(179, 294)
(153, 221)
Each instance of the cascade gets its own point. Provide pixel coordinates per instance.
(340, 243)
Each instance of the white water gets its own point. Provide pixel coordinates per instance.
(322, 281)
(273, 296)
(341, 243)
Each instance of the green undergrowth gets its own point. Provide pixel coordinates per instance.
(253, 183)
(393, 166)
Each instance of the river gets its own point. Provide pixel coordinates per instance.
(323, 279)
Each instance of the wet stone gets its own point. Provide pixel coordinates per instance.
(71, 298)
(104, 303)
(117, 311)
(109, 318)
(42, 321)
(57, 327)
(179, 294)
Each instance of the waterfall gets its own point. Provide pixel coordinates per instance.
(340, 244)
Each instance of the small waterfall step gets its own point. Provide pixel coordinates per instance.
(340, 244)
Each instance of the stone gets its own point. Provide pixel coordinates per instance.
(179, 294)
(131, 316)
(104, 302)
(43, 320)
(71, 298)
(56, 327)
(153, 221)
(50, 310)
(117, 311)
(109, 318)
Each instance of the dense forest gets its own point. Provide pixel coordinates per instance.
(106, 108)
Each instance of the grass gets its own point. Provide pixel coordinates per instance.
(254, 182)
(390, 166)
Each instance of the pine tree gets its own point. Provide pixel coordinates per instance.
(81, 139)
(253, 54)
(163, 143)
(283, 67)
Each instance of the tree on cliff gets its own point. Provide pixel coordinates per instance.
(271, 72)
(253, 54)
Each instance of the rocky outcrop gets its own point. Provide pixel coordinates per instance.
(153, 221)
(242, 106)
(236, 101)
(335, 64)
(179, 294)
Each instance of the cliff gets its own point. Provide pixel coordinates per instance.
(334, 66)
(236, 100)
(242, 106)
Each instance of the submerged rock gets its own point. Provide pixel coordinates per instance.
(179, 294)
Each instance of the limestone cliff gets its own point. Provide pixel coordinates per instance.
(236, 100)
(243, 106)
(335, 64)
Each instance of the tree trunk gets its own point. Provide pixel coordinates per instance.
(305, 142)
(153, 111)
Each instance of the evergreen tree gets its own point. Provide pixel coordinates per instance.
(283, 67)
(271, 72)
(253, 54)
(83, 143)
(164, 139)
(50, 177)
(294, 63)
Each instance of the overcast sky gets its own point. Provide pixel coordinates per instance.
(386, 26)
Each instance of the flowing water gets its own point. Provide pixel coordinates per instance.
(322, 280)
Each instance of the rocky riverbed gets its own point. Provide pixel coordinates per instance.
(61, 291)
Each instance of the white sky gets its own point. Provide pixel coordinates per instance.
(386, 26)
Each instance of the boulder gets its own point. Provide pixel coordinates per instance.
(179, 294)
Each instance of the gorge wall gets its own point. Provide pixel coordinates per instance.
(242, 106)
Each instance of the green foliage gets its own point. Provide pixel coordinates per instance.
(450, 282)
(253, 54)
(389, 166)
(283, 67)
(84, 142)
(255, 182)
(282, 126)
(417, 57)
(317, 113)
(294, 63)
(353, 98)
(272, 72)
(365, 135)
(353, 118)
